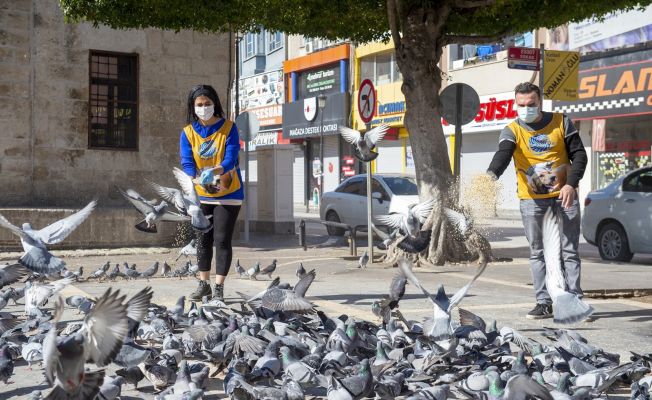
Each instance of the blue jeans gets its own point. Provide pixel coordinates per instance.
(532, 212)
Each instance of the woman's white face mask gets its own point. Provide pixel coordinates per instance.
(204, 113)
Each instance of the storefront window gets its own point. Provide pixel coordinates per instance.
(625, 146)
(383, 69)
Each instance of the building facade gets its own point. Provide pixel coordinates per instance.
(87, 109)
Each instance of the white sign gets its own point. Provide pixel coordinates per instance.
(588, 31)
(316, 167)
(261, 90)
(263, 139)
(496, 112)
(310, 108)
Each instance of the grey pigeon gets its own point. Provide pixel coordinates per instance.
(166, 269)
(151, 213)
(460, 223)
(188, 250)
(37, 258)
(151, 271)
(238, 268)
(439, 326)
(6, 365)
(363, 146)
(382, 308)
(98, 341)
(185, 200)
(100, 272)
(131, 375)
(11, 273)
(277, 299)
(301, 271)
(408, 223)
(364, 259)
(353, 387)
(297, 370)
(111, 388)
(37, 294)
(254, 271)
(268, 270)
(32, 352)
(131, 273)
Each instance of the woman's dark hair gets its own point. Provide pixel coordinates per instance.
(527, 87)
(203, 90)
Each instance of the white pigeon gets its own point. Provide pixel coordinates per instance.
(152, 213)
(567, 308)
(461, 224)
(363, 145)
(188, 250)
(37, 258)
(37, 294)
(409, 223)
(185, 200)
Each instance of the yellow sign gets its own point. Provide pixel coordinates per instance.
(560, 74)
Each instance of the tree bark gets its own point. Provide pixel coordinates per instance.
(419, 39)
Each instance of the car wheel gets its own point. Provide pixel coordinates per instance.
(332, 216)
(613, 244)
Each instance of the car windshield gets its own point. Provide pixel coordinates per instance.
(401, 186)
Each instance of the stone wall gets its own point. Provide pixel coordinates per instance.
(44, 89)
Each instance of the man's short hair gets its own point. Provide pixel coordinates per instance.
(527, 87)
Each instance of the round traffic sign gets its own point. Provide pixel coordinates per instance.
(459, 95)
(366, 101)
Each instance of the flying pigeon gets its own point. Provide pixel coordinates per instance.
(188, 250)
(410, 223)
(363, 145)
(37, 258)
(11, 273)
(185, 200)
(152, 213)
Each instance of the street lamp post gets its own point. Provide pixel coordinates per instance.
(321, 104)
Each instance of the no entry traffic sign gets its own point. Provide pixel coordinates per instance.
(366, 101)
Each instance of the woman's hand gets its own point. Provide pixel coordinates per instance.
(206, 177)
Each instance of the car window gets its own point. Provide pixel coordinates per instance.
(401, 186)
(641, 182)
(354, 186)
(377, 187)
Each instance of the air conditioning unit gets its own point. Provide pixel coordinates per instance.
(309, 47)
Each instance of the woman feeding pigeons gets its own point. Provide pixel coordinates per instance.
(209, 147)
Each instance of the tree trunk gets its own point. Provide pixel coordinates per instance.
(418, 50)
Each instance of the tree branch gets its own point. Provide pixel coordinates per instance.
(473, 3)
(393, 22)
(474, 39)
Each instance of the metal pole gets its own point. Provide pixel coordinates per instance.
(370, 232)
(458, 140)
(541, 83)
(246, 137)
(321, 153)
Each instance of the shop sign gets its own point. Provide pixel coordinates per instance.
(263, 139)
(297, 123)
(612, 87)
(560, 74)
(317, 81)
(270, 115)
(261, 90)
(523, 58)
(496, 112)
(590, 30)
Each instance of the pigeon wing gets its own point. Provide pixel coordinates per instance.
(138, 201)
(137, 306)
(13, 228)
(106, 327)
(171, 195)
(174, 217)
(394, 221)
(304, 283)
(422, 210)
(405, 267)
(457, 219)
(555, 282)
(12, 273)
(467, 318)
(50, 351)
(375, 135)
(350, 135)
(186, 184)
(58, 231)
(459, 295)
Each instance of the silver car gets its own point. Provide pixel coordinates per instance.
(618, 218)
(348, 202)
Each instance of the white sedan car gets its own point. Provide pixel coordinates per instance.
(348, 203)
(618, 218)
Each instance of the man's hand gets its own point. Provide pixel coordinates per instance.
(567, 196)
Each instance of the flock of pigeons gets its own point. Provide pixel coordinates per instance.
(277, 345)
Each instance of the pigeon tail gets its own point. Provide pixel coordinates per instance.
(142, 226)
(88, 389)
(567, 308)
(437, 328)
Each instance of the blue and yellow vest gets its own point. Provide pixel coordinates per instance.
(209, 152)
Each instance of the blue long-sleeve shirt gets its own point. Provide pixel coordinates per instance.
(229, 161)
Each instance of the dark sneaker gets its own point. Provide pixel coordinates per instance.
(540, 311)
(218, 291)
(204, 289)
